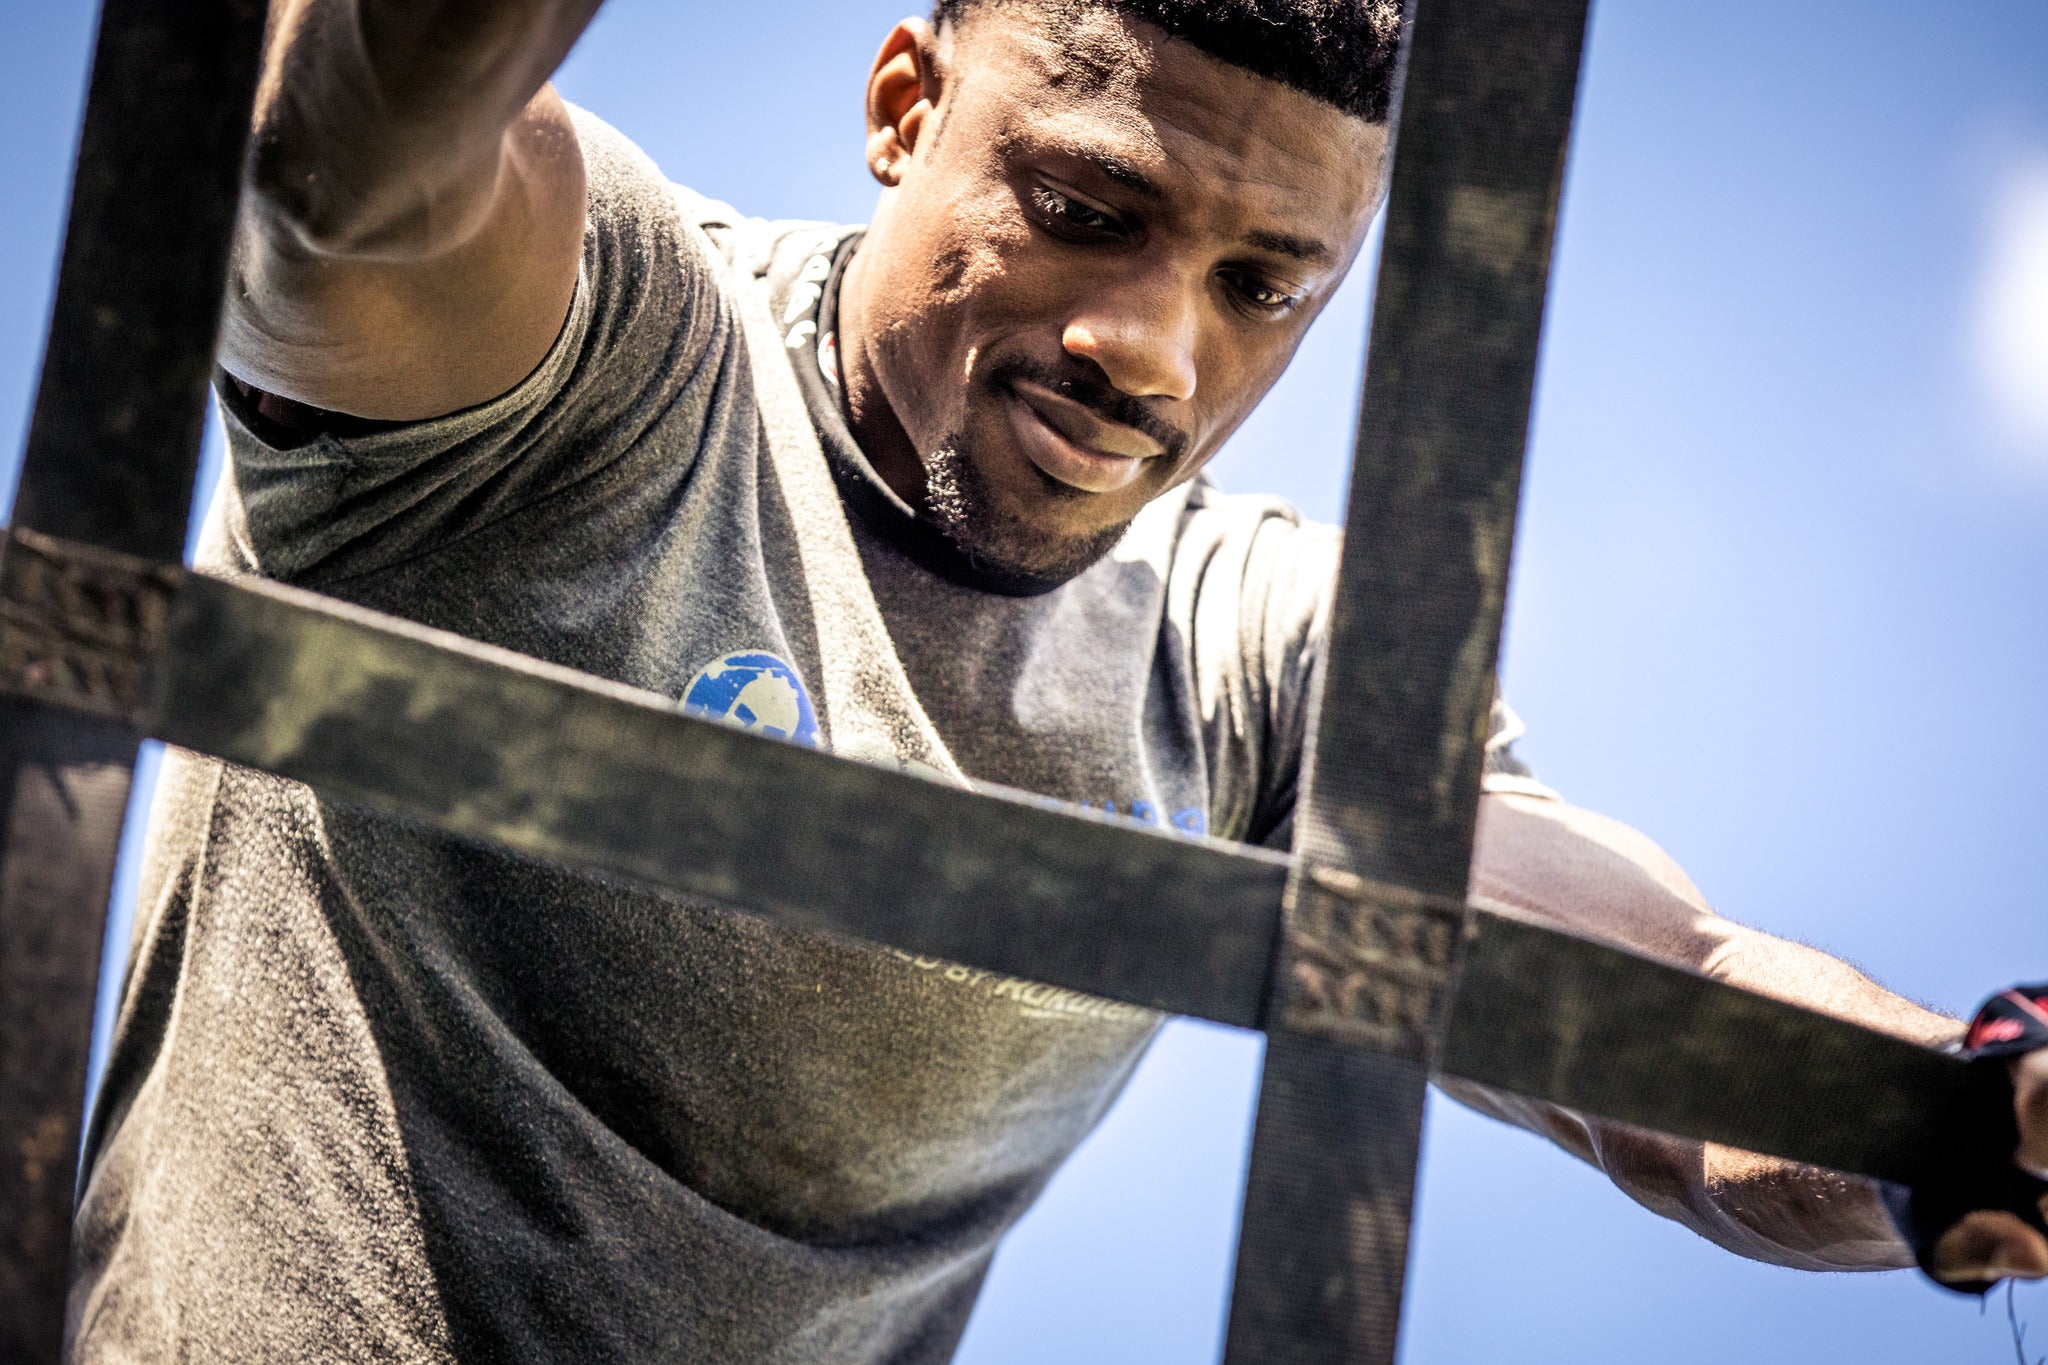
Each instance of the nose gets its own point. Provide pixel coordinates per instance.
(1141, 334)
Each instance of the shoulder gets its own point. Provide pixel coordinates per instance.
(1256, 549)
(671, 271)
(1213, 513)
(638, 216)
(626, 185)
(628, 196)
(1248, 583)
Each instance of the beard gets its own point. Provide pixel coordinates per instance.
(998, 541)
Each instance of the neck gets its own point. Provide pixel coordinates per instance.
(869, 413)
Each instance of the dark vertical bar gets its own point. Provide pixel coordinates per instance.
(112, 451)
(114, 443)
(1324, 1249)
(1384, 833)
(63, 789)
(1444, 416)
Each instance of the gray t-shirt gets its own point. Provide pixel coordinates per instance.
(380, 1094)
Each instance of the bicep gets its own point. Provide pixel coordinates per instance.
(1594, 876)
(1583, 872)
(377, 331)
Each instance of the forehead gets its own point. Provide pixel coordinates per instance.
(1129, 98)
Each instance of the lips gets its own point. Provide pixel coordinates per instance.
(1072, 444)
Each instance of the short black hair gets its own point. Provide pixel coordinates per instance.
(1339, 51)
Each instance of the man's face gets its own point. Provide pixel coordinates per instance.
(1098, 249)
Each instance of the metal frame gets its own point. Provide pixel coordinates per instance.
(1358, 956)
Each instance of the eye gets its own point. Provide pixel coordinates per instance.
(1260, 296)
(1065, 216)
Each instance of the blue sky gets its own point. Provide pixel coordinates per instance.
(1779, 599)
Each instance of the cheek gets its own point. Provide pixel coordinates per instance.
(1234, 375)
(953, 238)
(956, 283)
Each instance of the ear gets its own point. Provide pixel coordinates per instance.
(903, 90)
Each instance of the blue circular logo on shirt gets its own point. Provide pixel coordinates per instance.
(757, 692)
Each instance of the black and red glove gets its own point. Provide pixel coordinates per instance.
(2010, 1023)
(1979, 1172)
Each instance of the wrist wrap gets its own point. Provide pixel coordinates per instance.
(1977, 1171)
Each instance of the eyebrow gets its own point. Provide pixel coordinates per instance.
(1114, 168)
(1286, 244)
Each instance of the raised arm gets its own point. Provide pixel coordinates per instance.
(410, 240)
(1583, 872)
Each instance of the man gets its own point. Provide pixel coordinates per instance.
(925, 495)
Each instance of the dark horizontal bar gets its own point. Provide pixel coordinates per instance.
(1600, 1030)
(487, 744)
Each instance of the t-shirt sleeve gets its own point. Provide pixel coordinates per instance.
(1259, 621)
(1251, 582)
(1505, 772)
(644, 336)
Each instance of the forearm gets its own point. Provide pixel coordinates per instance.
(1757, 1207)
(414, 219)
(1592, 876)
(381, 125)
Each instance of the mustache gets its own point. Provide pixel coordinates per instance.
(1095, 393)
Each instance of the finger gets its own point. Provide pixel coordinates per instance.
(1989, 1244)
(2030, 1103)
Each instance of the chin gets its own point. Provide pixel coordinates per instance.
(1032, 535)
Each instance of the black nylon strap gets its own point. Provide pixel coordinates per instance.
(1384, 831)
(114, 442)
(482, 743)
(1598, 1029)
(112, 449)
(1457, 317)
(488, 745)
(1321, 1264)
(63, 790)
